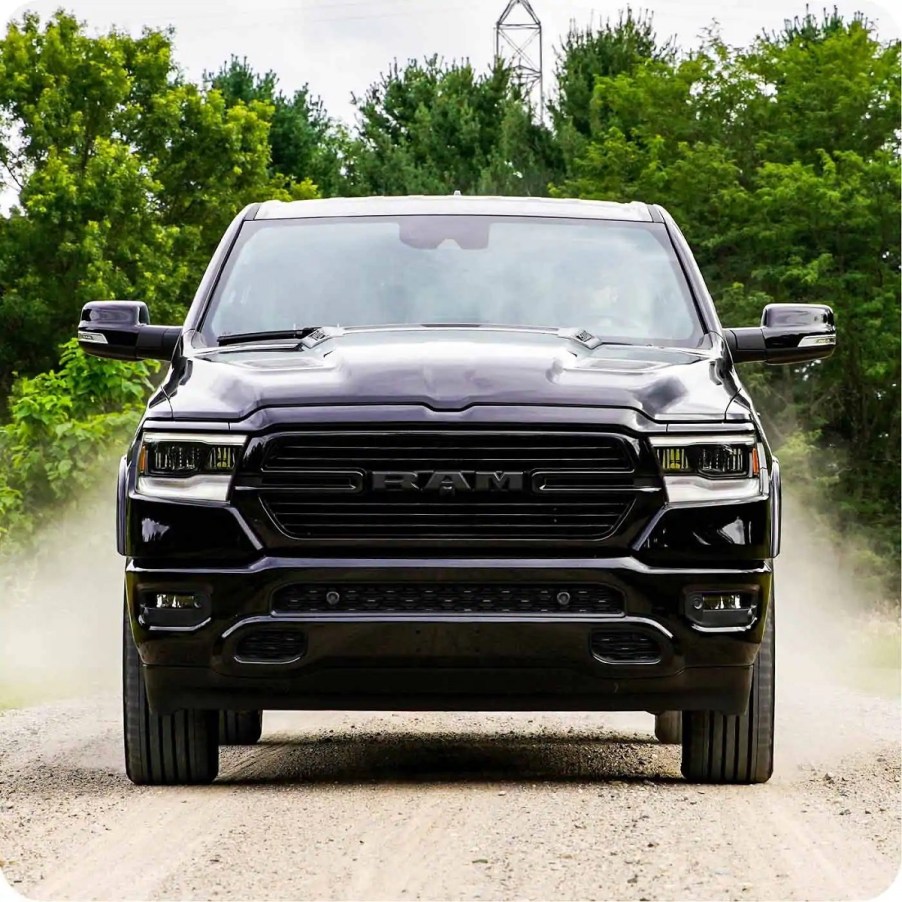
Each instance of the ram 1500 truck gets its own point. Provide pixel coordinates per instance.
(450, 453)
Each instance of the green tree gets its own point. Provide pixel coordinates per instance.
(432, 128)
(61, 428)
(305, 143)
(126, 173)
(818, 85)
(587, 54)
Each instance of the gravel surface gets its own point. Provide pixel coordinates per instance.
(453, 806)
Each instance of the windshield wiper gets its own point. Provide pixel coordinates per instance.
(237, 338)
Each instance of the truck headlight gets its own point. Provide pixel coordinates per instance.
(716, 461)
(188, 467)
(709, 468)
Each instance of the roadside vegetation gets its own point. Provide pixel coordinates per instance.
(779, 159)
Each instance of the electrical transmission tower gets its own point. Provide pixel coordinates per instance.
(518, 40)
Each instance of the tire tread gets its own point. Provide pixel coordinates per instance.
(736, 748)
(163, 749)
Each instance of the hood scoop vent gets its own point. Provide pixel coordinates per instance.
(583, 336)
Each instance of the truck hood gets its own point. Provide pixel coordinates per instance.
(452, 369)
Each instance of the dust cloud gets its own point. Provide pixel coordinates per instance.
(837, 653)
(826, 619)
(61, 607)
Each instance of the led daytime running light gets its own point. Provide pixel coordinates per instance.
(178, 458)
(714, 460)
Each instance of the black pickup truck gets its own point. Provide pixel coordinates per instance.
(450, 453)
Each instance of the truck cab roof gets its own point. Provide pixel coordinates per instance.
(426, 205)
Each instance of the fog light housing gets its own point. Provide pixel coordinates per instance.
(721, 609)
(173, 610)
(176, 601)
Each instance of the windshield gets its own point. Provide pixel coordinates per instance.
(619, 280)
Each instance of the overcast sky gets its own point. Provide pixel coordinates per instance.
(340, 46)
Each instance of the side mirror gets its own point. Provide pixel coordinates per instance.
(121, 330)
(789, 333)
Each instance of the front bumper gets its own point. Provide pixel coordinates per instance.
(446, 661)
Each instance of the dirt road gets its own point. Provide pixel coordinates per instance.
(452, 806)
(457, 806)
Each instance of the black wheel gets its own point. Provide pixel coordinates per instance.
(240, 727)
(722, 748)
(163, 749)
(669, 727)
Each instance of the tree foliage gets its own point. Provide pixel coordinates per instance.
(61, 429)
(305, 143)
(587, 54)
(434, 128)
(126, 176)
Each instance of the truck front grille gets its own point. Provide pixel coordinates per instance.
(451, 598)
(420, 487)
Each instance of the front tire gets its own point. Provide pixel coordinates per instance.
(240, 727)
(736, 748)
(163, 749)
